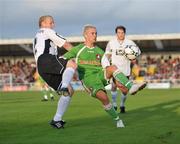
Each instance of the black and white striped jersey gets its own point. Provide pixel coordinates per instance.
(47, 41)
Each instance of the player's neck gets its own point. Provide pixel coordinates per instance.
(120, 41)
(89, 45)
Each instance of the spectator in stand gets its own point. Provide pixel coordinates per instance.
(22, 70)
(163, 68)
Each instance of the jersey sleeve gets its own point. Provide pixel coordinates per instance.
(72, 53)
(56, 38)
(108, 49)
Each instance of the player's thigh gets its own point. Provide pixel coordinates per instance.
(52, 80)
(102, 76)
(51, 64)
(93, 84)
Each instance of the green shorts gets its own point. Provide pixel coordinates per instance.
(95, 82)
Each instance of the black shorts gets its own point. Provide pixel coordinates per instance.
(51, 68)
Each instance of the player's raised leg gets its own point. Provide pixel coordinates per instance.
(125, 84)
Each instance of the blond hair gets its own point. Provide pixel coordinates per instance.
(42, 18)
(86, 27)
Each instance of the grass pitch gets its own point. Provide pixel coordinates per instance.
(153, 116)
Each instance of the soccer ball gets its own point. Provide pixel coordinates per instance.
(132, 52)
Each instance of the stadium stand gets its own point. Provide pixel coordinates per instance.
(159, 62)
(158, 69)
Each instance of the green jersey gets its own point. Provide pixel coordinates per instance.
(87, 59)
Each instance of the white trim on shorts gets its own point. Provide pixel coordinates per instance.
(59, 63)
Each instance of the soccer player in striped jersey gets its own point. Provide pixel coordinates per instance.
(55, 71)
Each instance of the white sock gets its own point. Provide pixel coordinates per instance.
(62, 107)
(123, 99)
(51, 95)
(67, 77)
(45, 97)
(114, 97)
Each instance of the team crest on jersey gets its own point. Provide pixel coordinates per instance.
(98, 56)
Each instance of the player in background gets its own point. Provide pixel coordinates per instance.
(94, 78)
(115, 53)
(46, 90)
(55, 71)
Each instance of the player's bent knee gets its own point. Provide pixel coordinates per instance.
(112, 68)
(71, 63)
(102, 96)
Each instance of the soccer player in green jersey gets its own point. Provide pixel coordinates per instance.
(94, 78)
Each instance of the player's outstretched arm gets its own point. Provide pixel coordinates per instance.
(58, 39)
(67, 46)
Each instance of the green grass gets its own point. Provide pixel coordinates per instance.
(153, 116)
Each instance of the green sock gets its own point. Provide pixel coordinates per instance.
(120, 77)
(44, 91)
(112, 113)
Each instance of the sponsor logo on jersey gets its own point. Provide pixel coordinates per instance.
(90, 51)
(98, 56)
(90, 62)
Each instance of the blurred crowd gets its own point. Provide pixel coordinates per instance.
(21, 70)
(157, 69)
(152, 69)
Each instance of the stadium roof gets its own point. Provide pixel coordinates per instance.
(151, 42)
(100, 38)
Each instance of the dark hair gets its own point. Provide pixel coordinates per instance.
(120, 27)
